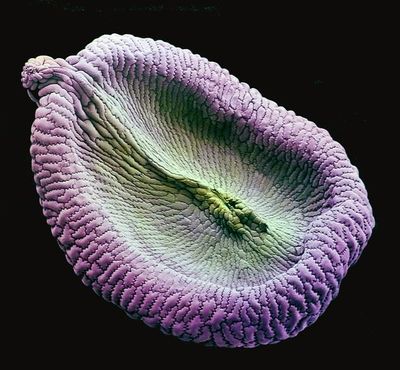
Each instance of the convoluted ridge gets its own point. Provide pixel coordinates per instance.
(187, 199)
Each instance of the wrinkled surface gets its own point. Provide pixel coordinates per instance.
(188, 200)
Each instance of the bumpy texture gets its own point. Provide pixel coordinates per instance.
(188, 200)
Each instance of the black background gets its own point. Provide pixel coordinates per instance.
(323, 63)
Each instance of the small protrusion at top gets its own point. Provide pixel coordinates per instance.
(37, 70)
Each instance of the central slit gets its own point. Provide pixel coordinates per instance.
(190, 204)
